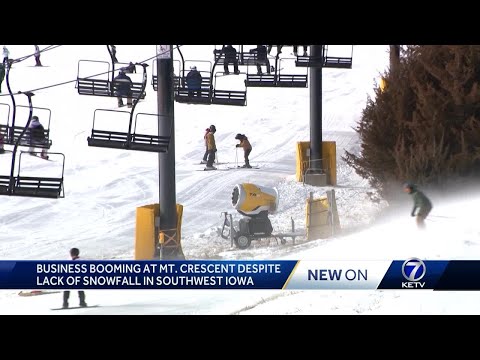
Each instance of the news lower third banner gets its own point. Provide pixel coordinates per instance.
(411, 273)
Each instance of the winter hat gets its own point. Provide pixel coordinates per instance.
(35, 118)
(74, 252)
(239, 136)
(193, 68)
(213, 128)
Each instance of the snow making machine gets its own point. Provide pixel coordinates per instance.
(255, 203)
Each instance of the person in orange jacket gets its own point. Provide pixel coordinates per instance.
(211, 148)
(205, 155)
(247, 148)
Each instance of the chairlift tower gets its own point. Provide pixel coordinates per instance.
(318, 59)
(170, 248)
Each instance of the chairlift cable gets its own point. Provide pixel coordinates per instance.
(75, 80)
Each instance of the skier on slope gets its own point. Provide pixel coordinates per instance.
(211, 148)
(205, 155)
(247, 148)
(420, 202)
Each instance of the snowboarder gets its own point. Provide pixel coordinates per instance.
(247, 148)
(37, 137)
(211, 148)
(37, 56)
(75, 255)
(420, 202)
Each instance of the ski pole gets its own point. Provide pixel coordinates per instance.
(440, 216)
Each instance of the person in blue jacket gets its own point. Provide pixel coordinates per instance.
(194, 82)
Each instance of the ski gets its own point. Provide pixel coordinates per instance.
(48, 159)
(231, 168)
(240, 167)
(76, 307)
(220, 163)
(217, 169)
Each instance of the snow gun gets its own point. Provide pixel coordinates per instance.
(255, 203)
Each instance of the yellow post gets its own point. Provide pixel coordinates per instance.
(322, 220)
(329, 154)
(145, 238)
(145, 232)
(317, 218)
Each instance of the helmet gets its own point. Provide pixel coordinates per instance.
(34, 118)
(213, 128)
(409, 185)
(193, 68)
(239, 137)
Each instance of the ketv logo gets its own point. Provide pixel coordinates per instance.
(413, 270)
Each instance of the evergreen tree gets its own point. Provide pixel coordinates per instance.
(425, 125)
